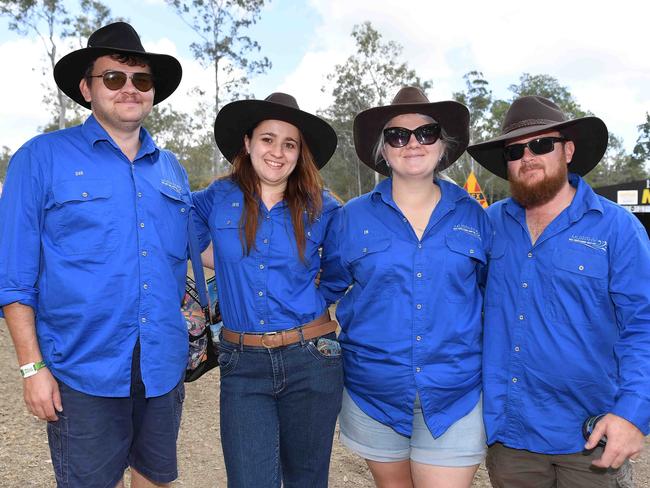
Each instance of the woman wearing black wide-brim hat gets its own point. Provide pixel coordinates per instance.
(280, 362)
(414, 250)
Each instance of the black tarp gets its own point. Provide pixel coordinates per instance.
(633, 195)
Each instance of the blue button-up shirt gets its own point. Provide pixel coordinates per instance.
(411, 323)
(269, 289)
(567, 324)
(96, 246)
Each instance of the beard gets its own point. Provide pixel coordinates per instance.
(535, 194)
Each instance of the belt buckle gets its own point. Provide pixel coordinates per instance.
(265, 335)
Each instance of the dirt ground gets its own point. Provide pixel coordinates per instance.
(25, 460)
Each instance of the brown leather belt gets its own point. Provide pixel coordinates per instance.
(316, 328)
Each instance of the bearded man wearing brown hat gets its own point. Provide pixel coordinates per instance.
(566, 367)
(93, 238)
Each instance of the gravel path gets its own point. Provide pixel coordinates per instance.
(25, 460)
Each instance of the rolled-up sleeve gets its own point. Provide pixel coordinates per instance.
(629, 278)
(21, 210)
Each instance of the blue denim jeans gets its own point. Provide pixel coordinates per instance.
(278, 412)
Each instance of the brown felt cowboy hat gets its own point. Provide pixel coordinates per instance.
(452, 116)
(532, 114)
(239, 118)
(116, 38)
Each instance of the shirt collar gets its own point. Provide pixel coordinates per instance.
(583, 201)
(93, 131)
(450, 192)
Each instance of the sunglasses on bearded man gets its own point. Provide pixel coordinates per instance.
(539, 146)
(399, 136)
(114, 80)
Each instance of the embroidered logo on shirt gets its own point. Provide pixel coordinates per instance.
(468, 230)
(79, 173)
(591, 242)
(174, 186)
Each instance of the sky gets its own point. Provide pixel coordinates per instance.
(598, 50)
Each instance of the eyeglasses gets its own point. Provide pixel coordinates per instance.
(114, 80)
(542, 145)
(399, 136)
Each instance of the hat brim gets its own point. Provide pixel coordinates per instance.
(589, 135)
(452, 116)
(237, 118)
(167, 71)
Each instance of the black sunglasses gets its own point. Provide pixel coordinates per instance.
(399, 136)
(542, 145)
(114, 80)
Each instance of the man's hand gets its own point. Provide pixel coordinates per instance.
(624, 440)
(42, 397)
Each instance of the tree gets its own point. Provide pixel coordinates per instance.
(222, 45)
(52, 23)
(641, 151)
(5, 156)
(366, 79)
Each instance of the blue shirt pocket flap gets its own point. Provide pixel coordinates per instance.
(592, 264)
(364, 248)
(81, 190)
(468, 246)
(227, 222)
(180, 197)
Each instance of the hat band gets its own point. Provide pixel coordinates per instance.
(529, 123)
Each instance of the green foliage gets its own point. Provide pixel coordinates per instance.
(5, 156)
(366, 79)
(641, 151)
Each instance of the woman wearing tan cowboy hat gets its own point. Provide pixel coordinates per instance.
(281, 367)
(414, 250)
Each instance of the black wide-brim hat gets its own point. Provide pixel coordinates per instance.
(452, 116)
(237, 119)
(530, 115)
(116, 38)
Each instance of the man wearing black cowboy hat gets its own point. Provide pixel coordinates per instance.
(93, 237)
(567, 310)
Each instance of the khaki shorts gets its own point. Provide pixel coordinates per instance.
(517, 468)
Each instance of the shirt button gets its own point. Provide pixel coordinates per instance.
(309, 234)
(418, 338)
(419, 275)
(419, 246)
(268, 217)
(227, 222)
(143, 320)
(84, 194)
(142, 225)
(581, 267)
(365, 231)
(471, 251)
(514, 380)
(261, 266)
(521, 317)
(145, 286)
(516, 348)
(261, 322)
(260, 293)
(524, 285)
(365, 249)
(139, 194)
(530, 254)
(144, 253)
(183, 210)
(418, 306)
(418, 369)
(403, 219)
(266, 241)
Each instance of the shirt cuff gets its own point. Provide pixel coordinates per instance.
(9, 297)
(634, 409)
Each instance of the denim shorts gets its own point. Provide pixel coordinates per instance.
(96, 438)
(463, 444)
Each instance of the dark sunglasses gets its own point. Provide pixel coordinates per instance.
(542, 145)
(114, 80)
(399, 136)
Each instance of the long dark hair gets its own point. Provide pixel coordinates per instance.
(302, 194)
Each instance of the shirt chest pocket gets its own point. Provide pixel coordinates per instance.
(83, 217)
(369, 260)
(579, 283)
(173, 223)
(464, 254)
(226, 237)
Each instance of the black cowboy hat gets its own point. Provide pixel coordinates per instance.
(116, 38)
(237, 118)
(452, 116)
(532, 114)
